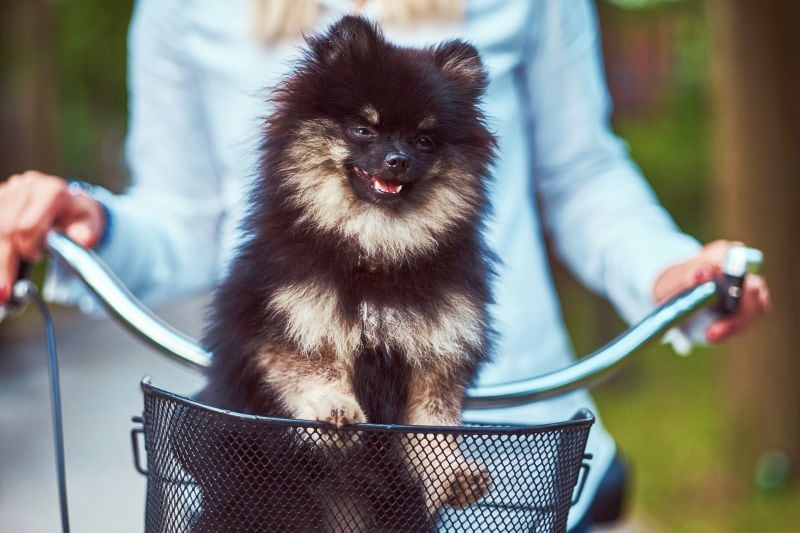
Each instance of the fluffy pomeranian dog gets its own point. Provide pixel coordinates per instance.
(361, 291)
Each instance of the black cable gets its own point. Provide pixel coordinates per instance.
(55, 402)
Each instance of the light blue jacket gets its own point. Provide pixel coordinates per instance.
(198, 83)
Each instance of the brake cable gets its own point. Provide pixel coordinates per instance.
(25, 290)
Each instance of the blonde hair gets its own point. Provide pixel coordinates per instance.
(273, 20)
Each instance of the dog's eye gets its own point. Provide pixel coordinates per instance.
(363, 132)
(424, 142)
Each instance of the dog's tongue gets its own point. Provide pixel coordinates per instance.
(384, 186)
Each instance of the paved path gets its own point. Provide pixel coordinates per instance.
(100, 371)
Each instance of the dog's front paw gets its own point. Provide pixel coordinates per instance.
(457, 485)
(337, 410)
(468, 483)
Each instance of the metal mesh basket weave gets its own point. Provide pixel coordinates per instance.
(210, 470)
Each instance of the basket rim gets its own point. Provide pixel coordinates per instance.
(583, 418)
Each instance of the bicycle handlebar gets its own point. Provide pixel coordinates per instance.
(123, 305)
(135, 317)
(598, 364)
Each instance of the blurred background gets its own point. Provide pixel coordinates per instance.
(708, 96)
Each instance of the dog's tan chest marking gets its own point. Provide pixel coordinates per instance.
(316, 323)
(314, 319)
(420, 337)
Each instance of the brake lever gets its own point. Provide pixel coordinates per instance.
(739, 261)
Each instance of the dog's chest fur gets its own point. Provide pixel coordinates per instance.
(320, 317)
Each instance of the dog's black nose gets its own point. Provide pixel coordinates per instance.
(396, 161)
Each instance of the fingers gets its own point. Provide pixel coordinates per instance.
(36, 218)
(715, 250)
(82, 220)
(82, 234)
(683, 276)
(705, 266)
(29, 203)
(13, 199)
(756, 301)
(8, 270)
(14, 196)
(704, 271)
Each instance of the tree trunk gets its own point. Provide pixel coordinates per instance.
(27, 88)
(756, 62)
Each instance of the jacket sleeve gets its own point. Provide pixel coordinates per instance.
(604, 219)
(164, 235)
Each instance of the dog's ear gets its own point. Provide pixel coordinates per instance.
(460, 61)
(352, 34)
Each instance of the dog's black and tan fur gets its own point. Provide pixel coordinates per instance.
(361, 291)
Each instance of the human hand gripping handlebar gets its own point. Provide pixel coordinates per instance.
(721, 295)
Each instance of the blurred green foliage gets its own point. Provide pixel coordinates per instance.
(91, 62)
(671, 142)
(669, 422)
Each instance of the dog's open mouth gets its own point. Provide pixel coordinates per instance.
(379, 185)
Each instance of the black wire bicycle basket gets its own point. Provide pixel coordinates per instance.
(210, 470)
